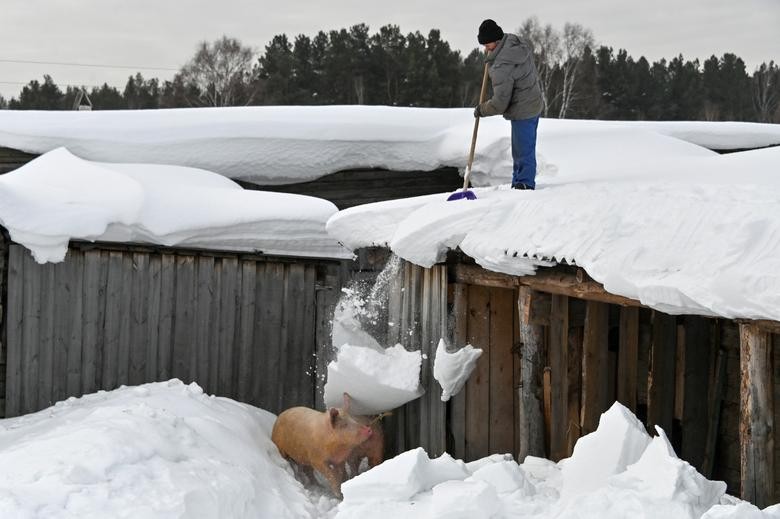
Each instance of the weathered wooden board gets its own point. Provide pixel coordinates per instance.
(756, 427)
(661, 380)
(558, 355)
(594, 365)
(531, 341)
(502, 423)
(628, 358)
(457, 407)
(698, 359)
(478, 386)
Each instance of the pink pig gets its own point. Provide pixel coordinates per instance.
(322, 441)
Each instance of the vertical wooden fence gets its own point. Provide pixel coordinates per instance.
(242, 326)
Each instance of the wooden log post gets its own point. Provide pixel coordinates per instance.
(696, 382)
(456, 441)
(628, 358)
(756, 427)
(661, 379)
(531, 427)
(595, 382)
(558, 360)
(576, 334)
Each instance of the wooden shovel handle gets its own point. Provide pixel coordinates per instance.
(482, 94)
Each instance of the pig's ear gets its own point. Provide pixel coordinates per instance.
(333, 414)
(347, 402)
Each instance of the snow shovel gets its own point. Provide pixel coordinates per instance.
(467, 193)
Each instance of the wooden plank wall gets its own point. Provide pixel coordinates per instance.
(364, 186)
(3, 308)
(245, 327)
(483, 417)
(11, 159)
(418, 311)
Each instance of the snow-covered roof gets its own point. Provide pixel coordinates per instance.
(58, 197)
(653, 218)
(287, 144)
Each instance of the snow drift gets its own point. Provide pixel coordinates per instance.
(159, 450)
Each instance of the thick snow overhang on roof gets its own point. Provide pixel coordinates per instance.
(675, 227)
(59, 197)
(288, 144)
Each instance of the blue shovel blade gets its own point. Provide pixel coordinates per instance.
(465, 194)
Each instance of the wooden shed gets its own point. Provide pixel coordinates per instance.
(559, 350)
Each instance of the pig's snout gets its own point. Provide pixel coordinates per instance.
(367, 431)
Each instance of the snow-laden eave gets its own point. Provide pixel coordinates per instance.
(681, 237)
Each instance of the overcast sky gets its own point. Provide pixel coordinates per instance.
(164, 33)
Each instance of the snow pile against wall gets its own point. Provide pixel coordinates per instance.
(166, 450)
(684, 232)
(634, 476)
(160, 450)
(58, 197)
(287, 144)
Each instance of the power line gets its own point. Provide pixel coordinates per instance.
(94, 65)
(58, 84)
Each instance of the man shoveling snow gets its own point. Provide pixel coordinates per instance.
(516, 95)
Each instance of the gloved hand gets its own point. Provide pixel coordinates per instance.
(477, 112)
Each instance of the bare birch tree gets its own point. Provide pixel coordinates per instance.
(221, 73)
(576, 39)
(546, 44)
(766, 87)
(558, 56)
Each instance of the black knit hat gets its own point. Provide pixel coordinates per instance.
(489, 31)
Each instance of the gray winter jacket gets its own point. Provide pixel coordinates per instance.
(516, 91)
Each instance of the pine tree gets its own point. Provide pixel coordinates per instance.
(304, 81)
(685, 101)
(140, 93)
(276, 70)
(415, 89)
(444, 71)
(39, 96)
(106, 98)
(361, 70)
(388, 47)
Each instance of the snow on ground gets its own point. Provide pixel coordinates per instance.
(162, 450)
(616, 472)
(58, 197)
(167, 450)
(284, 144)
(677, 227)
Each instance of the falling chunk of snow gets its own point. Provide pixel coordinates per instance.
(377, 381)
(452, 370)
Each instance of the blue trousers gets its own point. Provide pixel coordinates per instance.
(524, 151)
